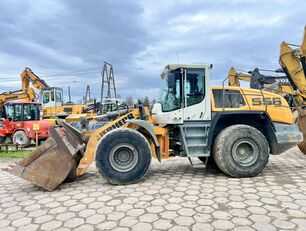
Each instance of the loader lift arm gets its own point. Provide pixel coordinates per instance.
(131, 120)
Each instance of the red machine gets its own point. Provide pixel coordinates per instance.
(21, 121)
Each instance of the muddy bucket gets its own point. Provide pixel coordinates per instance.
(50, 164)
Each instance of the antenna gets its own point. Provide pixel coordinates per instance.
(177, 60)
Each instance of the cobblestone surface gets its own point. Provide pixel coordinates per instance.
(173, 196)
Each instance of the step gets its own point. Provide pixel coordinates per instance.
(195, 125)
(197, 145)
(195, 135)
(199, 155)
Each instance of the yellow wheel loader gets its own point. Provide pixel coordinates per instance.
(237, 127)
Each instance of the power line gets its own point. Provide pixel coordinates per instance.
(49, 77)
(73, 72)
(8, 78)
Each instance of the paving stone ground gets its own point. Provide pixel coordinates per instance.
(173, 196)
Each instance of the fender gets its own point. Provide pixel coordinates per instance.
(258, 119)
(148, 127)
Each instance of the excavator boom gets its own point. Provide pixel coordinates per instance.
(27, 96)
(27, 93)
(235, 77)
(256, 79)
(293, 63)
(28, 76)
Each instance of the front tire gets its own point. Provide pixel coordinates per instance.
(123, 156)
(241, 151)
(21, 139)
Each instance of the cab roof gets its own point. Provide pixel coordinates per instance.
(171, 67)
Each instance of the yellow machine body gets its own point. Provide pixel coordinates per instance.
(256, 100)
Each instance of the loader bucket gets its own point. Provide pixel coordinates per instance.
(301, 121)
(49, 164)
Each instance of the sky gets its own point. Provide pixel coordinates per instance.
(54, 37)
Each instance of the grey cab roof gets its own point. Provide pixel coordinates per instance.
(171, 67)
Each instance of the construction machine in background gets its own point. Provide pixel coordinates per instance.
(18, 112)
(20, 118)
(293, 63)
(21, 122)
(234, 126)
(257, 80)
(26, 96)
(277, 84)
(50, 97)
(292, 86)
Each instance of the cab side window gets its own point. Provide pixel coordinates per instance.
(228, 99)
(18, 113)
(195, 86)
(46, 97)
(58, 96)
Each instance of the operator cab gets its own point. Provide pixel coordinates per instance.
(17, 112)
(184, 94)
(51, 97)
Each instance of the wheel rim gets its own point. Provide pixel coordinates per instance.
(19, 139)
(245, 152)
(123, 157)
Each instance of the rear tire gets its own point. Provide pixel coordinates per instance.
(241, 151)
(123, 156)
(21, 139)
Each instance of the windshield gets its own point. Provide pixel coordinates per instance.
(170, 93)
(31, 112)
(22, 112)
(9, 110)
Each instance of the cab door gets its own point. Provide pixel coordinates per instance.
(196, 100)
(46, 99)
